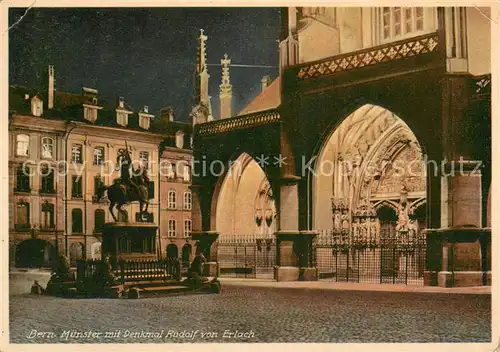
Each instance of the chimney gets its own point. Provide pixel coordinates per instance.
(265, 81)
(50, 102)
(167, 113)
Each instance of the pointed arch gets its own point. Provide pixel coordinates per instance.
(237, 196)
(365, 160)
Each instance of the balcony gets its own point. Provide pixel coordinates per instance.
(394, 51)
(22, 227)
(22, 190)
(238, 122)
(47, 191)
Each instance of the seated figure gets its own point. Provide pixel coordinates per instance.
(195, 271)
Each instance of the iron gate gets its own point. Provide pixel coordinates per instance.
(246, 257)
(393, 257)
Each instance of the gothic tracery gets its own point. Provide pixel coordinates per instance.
(376, 157)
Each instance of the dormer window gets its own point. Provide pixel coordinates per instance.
(145, 118)
(122, 119)
(179, 139)
(36, 106)
(122, 113)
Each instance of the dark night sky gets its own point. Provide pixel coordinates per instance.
(146, 55)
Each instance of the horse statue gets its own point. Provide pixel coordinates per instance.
(127, 189)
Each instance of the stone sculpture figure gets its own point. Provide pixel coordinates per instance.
(128, 188)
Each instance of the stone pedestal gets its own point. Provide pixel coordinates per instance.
(205, 243)
(458, 257)
(129, 241)
(294, 256)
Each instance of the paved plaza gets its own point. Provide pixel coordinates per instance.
(256, 313)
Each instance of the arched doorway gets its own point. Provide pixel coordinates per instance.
(75, 253)
(186, 255)
(369, 187)
(172, 251)
(95, 250)
(244, 215)
(35, 253)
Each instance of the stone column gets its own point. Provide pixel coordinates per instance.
(457, 253)
(294, 259)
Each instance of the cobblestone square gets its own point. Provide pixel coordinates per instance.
(256, 314)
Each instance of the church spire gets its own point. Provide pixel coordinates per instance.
(202, 75)
(225, 89)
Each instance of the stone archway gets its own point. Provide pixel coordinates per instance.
(243, 204)
(95, 250)
(76, 252)
(369, 187)
(371, 158)
(35, 253)
(172, 251)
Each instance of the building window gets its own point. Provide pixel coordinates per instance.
(77, 154)
(47, 180)
(23, 179)
(151, 190)
(99, 156)
(144, 159)
(76, 221)
(23, 216)
(398, 22)
(187, 228)
(171, 228)
(171, 170)
(187, 173)
(98, 184)
(47, 216)
(172, 199)
(187, 201)
(76, 187)
(99, 220)
(22, 144)
(47, 148)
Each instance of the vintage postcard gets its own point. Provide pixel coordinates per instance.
(274, 174)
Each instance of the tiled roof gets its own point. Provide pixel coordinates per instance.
(270, 98)
(68, 107)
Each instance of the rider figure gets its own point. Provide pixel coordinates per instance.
(125, 166)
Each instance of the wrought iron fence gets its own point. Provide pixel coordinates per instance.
(246, 257)
(131, 270)
(396, 257)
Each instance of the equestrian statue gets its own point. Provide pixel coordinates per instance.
(128, 188)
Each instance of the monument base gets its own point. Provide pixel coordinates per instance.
(129, 241)
(211, 269)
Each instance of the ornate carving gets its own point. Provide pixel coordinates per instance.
(199, 114)
(239, 122)
(392, 51)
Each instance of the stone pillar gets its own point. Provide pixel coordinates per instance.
(457, 252)
(205, 243)
(294, 259)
